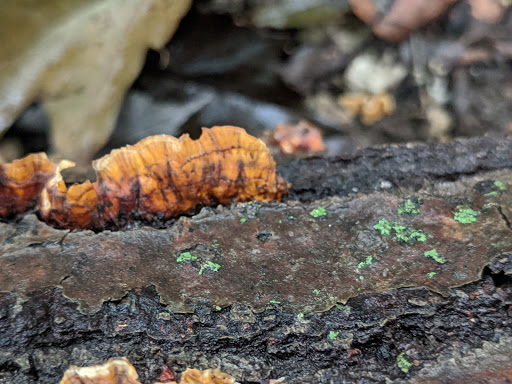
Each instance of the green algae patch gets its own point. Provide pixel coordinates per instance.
(368, 261)
(409, 207)
(318, 212)
(435, 255)
(209, 265)
(403, 363)
(500, 185)
(465, 215)
(401, 233)
(185, 256)
(343, 308)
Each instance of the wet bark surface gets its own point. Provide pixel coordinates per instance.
(265, 291)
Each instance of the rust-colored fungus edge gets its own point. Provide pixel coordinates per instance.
(161, 176)
(22, 181)
(121, 371)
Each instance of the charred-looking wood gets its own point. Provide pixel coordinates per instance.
(397, 278)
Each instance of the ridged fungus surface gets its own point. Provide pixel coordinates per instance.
(21, 183)
(115, 371)
(120, 371)
(161, 176)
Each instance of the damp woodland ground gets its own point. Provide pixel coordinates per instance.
(295, 296)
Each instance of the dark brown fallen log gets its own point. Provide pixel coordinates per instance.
(393, 264)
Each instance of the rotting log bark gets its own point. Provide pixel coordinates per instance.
(255, 295)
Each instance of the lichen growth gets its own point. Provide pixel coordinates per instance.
(317, 212)
(436, 256)
(409, 207)
(343, 308)
(333, 335)
(403, 364)
(209, 265)
(185, 256)
(368, 261)
(465, 215)
(500, 185)
(402, 233)
(384, 226)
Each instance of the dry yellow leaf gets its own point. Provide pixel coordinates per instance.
(78, 57)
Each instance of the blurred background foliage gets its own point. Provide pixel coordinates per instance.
(365, 73)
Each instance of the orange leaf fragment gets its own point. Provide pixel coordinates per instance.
(394, 20)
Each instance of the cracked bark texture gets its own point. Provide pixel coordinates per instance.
(293, 295)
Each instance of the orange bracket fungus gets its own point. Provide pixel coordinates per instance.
(120, 371)
(161, 176)
(115, 371)
(21, 183)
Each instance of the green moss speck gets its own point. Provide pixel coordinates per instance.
(408, 206)
(185, 256)
(333, 335)
(316, 291)
(500, 185)
(361, 278)
(436, 256)
(465, 215)
(320, 211)
(243, 220)
(209, 265)
(218, 308)
(403, 364)
(491, 194)
(368, 261)
(343, 308)
(430, 275)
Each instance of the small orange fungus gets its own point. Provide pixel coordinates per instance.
(115, 371)
(302, 137)
(21, 183)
